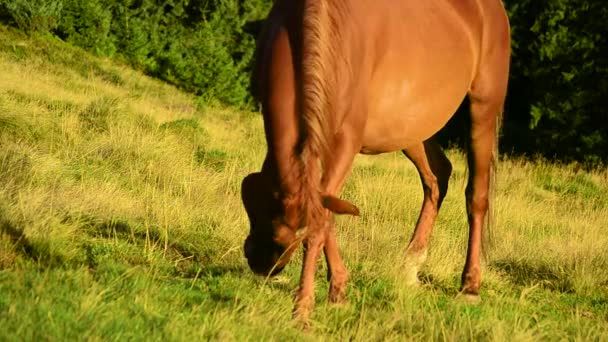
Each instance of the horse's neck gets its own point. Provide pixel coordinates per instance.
(284, 172)
(284, 178)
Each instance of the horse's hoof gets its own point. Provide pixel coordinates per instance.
(413, 263)
(469, 298)
(337, 299)
(302, 310)
(302, 319)
(411, 278)
(303, 325)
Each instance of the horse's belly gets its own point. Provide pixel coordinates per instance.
(406, 123)
(406, 107)
(418, 81)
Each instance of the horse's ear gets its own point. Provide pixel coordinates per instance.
(340, 206)
(249, 188)
(250, 183)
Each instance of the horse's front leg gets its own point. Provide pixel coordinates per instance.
(322, 234)
(337, 275)
(305, 296)
(346, 146)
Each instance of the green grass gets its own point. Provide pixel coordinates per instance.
(120, 218)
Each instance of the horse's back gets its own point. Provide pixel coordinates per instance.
(402, 67)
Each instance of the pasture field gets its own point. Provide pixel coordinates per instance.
(120, 219)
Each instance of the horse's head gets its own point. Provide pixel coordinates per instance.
(274, 222)
(272, 238)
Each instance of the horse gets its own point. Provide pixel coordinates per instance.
(336, 78)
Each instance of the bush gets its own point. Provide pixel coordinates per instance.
(87, 24)
(202, 46)
(559, 80)
(32, 15)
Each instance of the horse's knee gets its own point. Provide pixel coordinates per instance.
(443, 171)
(441, 168)
(477, 201)
(430, 185)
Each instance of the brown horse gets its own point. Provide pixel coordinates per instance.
(341, 77)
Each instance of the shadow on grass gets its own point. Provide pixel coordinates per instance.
(215, 271)
(281, 282)
(153, 235)
(428, 281)
(525, 273)
(36, 251)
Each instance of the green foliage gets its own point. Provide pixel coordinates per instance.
(559, 80)
(32, 15)
(203, 46)
(88, 24)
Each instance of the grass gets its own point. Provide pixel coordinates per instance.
(120, 218)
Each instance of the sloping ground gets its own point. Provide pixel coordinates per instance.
(120, 218)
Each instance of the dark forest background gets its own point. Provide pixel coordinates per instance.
(558, 92)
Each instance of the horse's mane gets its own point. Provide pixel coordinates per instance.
(319, 54)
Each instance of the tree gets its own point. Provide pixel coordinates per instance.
(558, 93)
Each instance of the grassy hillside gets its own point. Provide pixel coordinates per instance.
(120, 219)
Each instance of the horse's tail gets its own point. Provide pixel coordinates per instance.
(316, 100)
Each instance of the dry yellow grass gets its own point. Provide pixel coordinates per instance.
(120, 218)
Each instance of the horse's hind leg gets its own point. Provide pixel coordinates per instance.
(481, 146)
(487, 96)
(434, 169)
